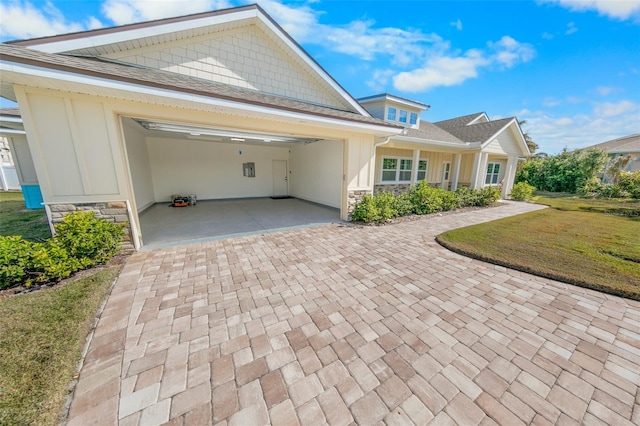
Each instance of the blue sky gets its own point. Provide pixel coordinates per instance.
(570, 68)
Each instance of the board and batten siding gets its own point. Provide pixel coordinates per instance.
(244, 57)
(70, 140)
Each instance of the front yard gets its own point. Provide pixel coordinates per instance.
(593, 243)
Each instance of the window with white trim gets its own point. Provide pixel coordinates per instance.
(493, 172)
(413, 118)
(391, 114)
(422, 170)
(403, 116)
(396, 169)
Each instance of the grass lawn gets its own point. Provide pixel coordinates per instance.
(41, 339)
(591, 243)
(15, 219)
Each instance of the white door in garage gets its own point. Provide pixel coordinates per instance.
(280, 184)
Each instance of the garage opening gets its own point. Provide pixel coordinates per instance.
(242, 182)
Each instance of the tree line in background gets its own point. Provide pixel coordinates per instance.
(581, 172)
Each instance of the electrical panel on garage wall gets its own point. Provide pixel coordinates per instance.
(249, 169)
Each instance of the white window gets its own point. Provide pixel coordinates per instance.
(422, 170)
(396, 169)
(403, 116)
(413, 118)
(391, 114)
(493, 171)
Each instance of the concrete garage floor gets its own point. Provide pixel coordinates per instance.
(164, 226)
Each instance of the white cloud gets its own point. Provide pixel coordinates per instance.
(20, 19)
(509, 52)
(551, 102)
(609, 109)
(617, 9)
(571, 28)
(457, 24)
(604, 122)
(605, 90)
(442, 68)
(128, 11)
(441, 71)
(380, 79)
(547, 36)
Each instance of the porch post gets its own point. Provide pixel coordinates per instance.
(414, 166)
(509, 176)
(479, 169)
(456, 171)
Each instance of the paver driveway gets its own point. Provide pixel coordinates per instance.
(341, 325)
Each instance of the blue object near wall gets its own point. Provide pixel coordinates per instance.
(32, 196)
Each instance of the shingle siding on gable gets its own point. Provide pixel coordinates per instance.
(504, 143)
(243, 57)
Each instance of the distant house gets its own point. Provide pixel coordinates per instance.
(120, 118)
(621, 147)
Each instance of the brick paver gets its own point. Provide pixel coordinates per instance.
(342, 324)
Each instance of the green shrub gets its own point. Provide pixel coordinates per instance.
(88, 239)
(404, 206)
(366, 210)
(51, 262)
(488, 195)
(522, 191)
(450, 200)
(16, 257)
(81, 241)
(630, 183)
(386, 204)
(426, 199)
(467, 197)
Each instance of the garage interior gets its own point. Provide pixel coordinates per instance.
(242, 182)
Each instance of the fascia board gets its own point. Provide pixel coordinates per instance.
(132, 34)
(30, 70)
(462, 146)
(484, 114)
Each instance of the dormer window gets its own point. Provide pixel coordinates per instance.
(391, 114)
(413, 118)
(403, 116)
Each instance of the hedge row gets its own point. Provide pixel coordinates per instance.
(81, 241)
(420, 199)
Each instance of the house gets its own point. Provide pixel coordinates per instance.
(622, 147)
(224, 104)
(470, 151)
(10, 126)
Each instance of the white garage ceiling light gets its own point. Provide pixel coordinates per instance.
(230, 135)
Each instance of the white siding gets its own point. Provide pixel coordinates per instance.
(316, 172)
(23, 160)
(244, 57)
(139, 166)
(210, 170)
(505, 143)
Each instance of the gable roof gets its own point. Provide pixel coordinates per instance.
(121, 38)
(454, 123)
(173, 82)
(624, 144)
(432, 132)
(480, 132)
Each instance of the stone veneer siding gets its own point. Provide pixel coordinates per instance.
(395, 189)
(114, 211)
